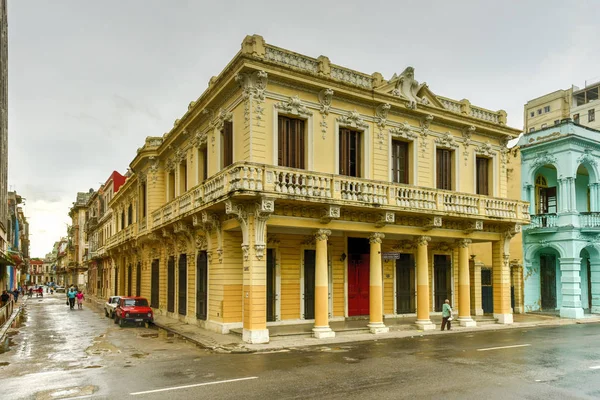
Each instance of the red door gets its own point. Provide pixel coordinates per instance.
(358, 285)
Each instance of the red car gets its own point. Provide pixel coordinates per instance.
(133, 309)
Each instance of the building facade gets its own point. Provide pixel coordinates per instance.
(561, 253)
(4, 258)
(299, 191)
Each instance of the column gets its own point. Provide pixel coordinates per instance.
(531, 197)
(572, 194)
(562, 197)
(321, 329)
(423, 321)
(570, 287)
(464, 290)
(376, 324)
(501, 281)
(595, 278)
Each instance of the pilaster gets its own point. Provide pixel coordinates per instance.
(570, 269)
(501, 280)
(475, 280)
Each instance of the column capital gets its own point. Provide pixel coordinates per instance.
(322, 234)
(464, 242)
(376, 237)
(422, 240)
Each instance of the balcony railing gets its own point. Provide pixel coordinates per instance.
(544, 221)
(589, 220)
(306, 185)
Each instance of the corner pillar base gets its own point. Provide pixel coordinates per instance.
(467, 322)
(322, 332)
(425, 325)
(478, 312)
(505, 319)
(568, 312)
(378, 327)
(255, 336)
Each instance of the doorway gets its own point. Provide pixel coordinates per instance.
(171, 284)
(309, 283)
(548, 281)
(155, 284)
(589, 285)
(138, 279)
(129, 279)
(405, 284)
(182, 287)
(359, 261)
(271, 286)
(201, 286)
(442, 280)
(487, 291)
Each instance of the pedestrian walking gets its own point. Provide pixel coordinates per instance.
(446, 315)
(71, 296)
(80, 298)
(16, 294)
(4, 298)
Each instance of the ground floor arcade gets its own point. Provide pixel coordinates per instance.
(254, 270)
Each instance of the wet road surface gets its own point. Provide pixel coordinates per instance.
(57, 353)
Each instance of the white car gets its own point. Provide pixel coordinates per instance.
(110, 305)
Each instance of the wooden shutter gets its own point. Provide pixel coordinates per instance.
(291, 142)
(482, 165)
(399, 162)
(227, 134)
(350, 153)
(444, 169)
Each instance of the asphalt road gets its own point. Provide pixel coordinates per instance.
(56, 353)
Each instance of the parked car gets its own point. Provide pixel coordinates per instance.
(133, 309)
(110, 305)
(59, 289)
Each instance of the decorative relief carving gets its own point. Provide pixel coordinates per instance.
(273, 239)
(467, 133)
(472, 226)
(376, 237)
(263, 211)
(406, 86)
(381, 111)
(291, 59)
(425, 124)
(447, 140)
(543, 158)
(201, 242)
(587, 158)
(200, 139)
(325, 97)
(443, 246)
(322, 234)
(330, 213)
(403, 246)
(433, 222)
(422, 240)
(253, 91)
(485, 149)
(463, 243)
(153, 168)
(351, 77)
(294, 106)
(385, 218)
(352, 119)
(404, 131)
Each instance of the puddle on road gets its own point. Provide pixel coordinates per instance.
(4, 364)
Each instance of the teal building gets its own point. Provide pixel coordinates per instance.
(561, 246)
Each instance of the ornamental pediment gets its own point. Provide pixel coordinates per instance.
(405, 86)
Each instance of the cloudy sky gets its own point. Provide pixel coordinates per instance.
(89, 80)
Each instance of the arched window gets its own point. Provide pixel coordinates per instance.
(545, 196)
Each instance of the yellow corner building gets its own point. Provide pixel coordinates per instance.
(298, 191)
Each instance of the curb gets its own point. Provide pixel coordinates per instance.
(8, 323)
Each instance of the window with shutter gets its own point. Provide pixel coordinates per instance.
(444, 169)
(482, 165)
(291, 142)
(399, 161)
(227, 144)
(350, 152)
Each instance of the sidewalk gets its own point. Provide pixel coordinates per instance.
(295, 336)
(16, 310)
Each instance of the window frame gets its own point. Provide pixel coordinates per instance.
(407, 162)
(453, 169)
(308, 139)
(546, 109)
(365, 150)
(591, 115)
(230, 151)
(302, 138)
(489, 175)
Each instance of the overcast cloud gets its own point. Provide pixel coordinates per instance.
(89, 80)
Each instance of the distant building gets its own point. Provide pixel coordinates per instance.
(581, 105)
(561, 180)
(4, 260)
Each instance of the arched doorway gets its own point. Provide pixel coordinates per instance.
(548, 281)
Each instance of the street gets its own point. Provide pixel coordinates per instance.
(55, 353)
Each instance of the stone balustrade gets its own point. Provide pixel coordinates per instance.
(589, 220)
(544, 221)
(281, 182)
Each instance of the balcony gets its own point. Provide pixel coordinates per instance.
(589, 221)
(301, 185)
(544, 221)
